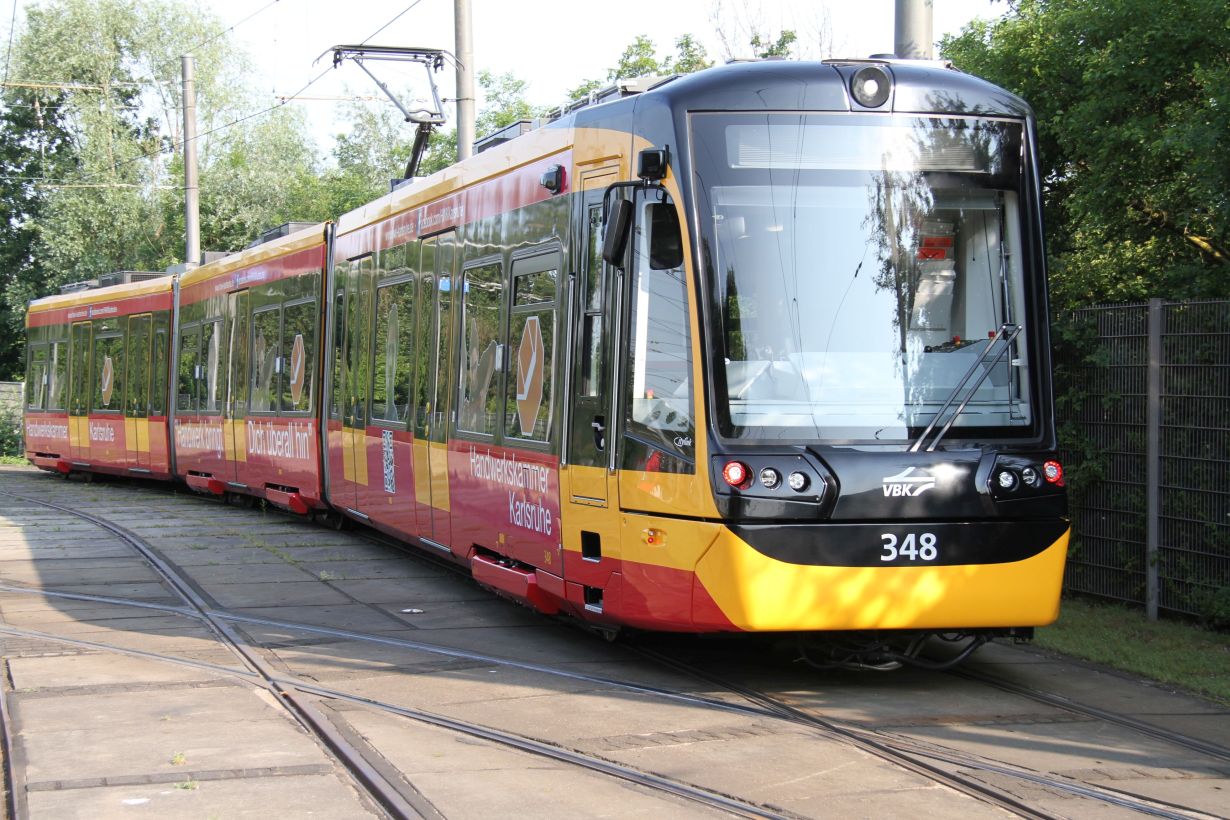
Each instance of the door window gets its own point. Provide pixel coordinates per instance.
(659, 432)
(108, 373)
(137, 406)
(393, 365)
(189, 361)
(482, 294)
(298, 353)
(266, 333)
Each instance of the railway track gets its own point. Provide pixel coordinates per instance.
(938, 761)
(295, 695)
(934, 761)
(930, 760)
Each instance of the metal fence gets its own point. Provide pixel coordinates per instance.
(1143, 395)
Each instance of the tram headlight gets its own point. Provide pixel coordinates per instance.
(870, 86)
(770, 478)
(1007, 480)
(798, 481)
(1030, 476)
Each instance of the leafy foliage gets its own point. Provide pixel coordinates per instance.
(1133, 105)
(640, 59)
(33, 148)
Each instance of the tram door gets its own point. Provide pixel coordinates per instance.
(137, 381)
(589, 501)
(358, 284)
(236, 407)
(593, 303)
(79, 384)
(433, 388)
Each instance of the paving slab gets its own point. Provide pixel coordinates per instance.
(99, 669)
(257, 797)
(93, 735)
(304, 593)
(355, 617)
(467, 777)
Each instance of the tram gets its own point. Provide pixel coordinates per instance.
(762, 348)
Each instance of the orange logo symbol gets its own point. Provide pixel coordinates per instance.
(296, 369)
(107, 382)
(529, 375)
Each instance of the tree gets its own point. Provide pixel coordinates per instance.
(1133, 105)
(766, 47)
(638, 60)
(745, 29)
(114, 70)
(690, 56)
(33, 148)
(504, 103)
(97, 170)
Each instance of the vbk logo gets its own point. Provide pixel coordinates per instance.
(909, 482)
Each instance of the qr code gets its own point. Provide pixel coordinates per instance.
(386, 447)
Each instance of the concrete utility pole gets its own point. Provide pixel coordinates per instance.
(465, 80)
(192, 191)
(912, 34)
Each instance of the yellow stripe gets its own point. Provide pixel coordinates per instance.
(439, 476)
(285, 246)
(359, 442)
(347, 456)
(108, 294)
(758, 592)
(142, 435)
(422, 473)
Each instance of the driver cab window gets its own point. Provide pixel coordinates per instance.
(659, 430)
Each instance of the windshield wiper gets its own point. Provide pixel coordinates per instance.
(1006, 334)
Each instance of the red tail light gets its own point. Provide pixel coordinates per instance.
(1052, 471)
(737, 474)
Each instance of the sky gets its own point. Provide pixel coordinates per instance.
(549, 44)
(544, 42)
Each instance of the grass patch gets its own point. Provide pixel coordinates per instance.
(1171, 652)
(14, 460)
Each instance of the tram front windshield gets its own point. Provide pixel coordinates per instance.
(859, 266)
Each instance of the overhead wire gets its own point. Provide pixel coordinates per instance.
(231, 28)
(281, 102)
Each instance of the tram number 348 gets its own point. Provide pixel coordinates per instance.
(921, 547)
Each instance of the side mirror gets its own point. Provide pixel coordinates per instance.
(618, 226)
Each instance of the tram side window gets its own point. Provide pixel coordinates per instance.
(209, 389)
(298, 352)
(482, 293)
(137, 405)
(189, 348)
(108, 373)
(237, 389)
(531, 346)
(337, 400)
(80, 372)
(266, 330)
(57, 371)
(592, 317)
(36, 378)
(159, 365)
(424, 324)
(659, 428)
(393, 361)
